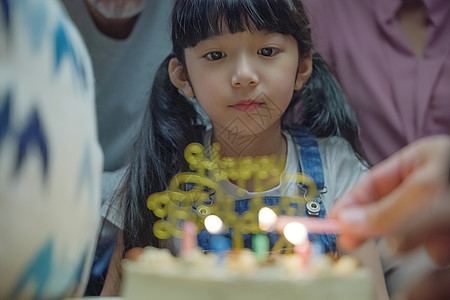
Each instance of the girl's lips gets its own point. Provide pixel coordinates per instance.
(247, 105)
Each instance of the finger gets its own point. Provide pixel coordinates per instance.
(432, 228)
(392, 193)
(367, 189)
(375, 218)
(433, 220)
(349, 242)
(391, 212)
(380, 181)
(439, 249)
(390, 173)
(434, 287)
(412, 237)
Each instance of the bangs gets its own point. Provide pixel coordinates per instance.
(196, 20)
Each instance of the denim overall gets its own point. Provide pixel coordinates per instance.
(312, 166)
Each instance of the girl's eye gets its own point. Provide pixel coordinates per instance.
(268, 51)
(215, 55)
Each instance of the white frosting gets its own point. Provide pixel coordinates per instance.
(158, 275)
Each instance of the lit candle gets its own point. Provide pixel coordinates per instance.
(213, 224)
(297, 234)
(189, 238)
(219, 243)
(267, 219)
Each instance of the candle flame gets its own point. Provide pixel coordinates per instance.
(267, 219)
(295, 233)
(213, 224)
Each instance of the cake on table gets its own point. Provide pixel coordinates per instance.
(158, 275)
(289, 267)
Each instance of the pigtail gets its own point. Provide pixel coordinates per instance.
(169, 125)
(324, 109)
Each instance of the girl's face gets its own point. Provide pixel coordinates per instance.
(244, 81)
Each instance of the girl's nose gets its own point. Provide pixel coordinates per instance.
(244, 74)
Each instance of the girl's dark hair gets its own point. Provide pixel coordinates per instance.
(171, 122)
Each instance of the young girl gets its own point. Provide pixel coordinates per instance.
(252, 69)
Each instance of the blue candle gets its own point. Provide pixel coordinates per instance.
(219, 243)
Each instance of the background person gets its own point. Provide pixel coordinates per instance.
(126, 40)
(392, 59)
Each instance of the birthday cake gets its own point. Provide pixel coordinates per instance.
(261, 252)
(158, 274)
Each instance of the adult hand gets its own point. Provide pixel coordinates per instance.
(406, 198)
(433, 287)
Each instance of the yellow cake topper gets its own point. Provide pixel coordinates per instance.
(189, 195)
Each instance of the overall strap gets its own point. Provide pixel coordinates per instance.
(309, 155)
(311, 165)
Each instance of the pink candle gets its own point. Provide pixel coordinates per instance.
(303, 251)
(189, 238)
(313, 225)
(297, 234)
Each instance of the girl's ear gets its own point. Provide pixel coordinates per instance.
(178, 78)
(304, 72)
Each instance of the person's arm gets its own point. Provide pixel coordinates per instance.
(405, 197)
